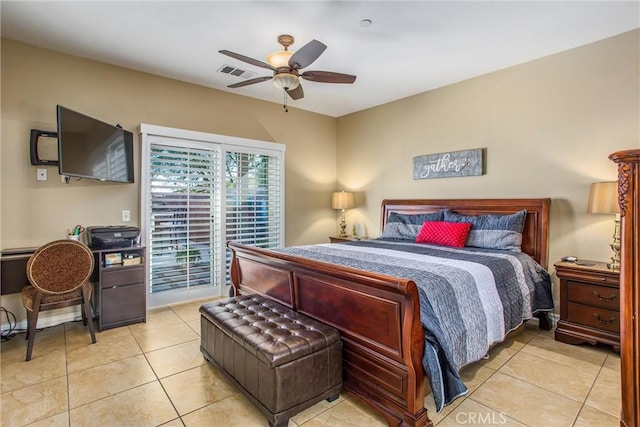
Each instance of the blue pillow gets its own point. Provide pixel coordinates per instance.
(492, 231)
(407, 226)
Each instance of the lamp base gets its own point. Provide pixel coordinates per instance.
(343, 225)
(615, 259)
(615, 247)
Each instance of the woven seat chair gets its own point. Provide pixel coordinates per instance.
(59, 273)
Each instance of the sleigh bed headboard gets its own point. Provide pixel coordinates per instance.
(536, 227)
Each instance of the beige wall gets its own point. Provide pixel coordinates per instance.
(548, 127)
(35, 80)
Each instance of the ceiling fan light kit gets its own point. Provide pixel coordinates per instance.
(285, 65)
(286, 81)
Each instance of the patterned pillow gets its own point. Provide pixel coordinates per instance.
(444, 233)
(492, 231)
(406, 226)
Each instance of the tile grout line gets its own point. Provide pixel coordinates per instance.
(584, 403)
(175, 373)
(98, 366)
(487, 379)
(541, 388)
(144, 353)
(114, 394)
(169, 397)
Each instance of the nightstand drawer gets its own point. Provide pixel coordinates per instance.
(606, 278)
(598, 318)
(598, 296)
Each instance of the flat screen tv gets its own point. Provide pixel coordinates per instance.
(89, 148)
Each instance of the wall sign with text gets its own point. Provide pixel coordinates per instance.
(447, 165)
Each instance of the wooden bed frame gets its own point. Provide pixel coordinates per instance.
(378, 316)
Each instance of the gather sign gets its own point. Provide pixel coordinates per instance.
(447, 165)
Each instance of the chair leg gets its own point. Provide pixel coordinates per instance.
(32, 320)
(84, 313)
(26, 336)
(86, 307)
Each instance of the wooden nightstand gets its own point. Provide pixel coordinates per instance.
(336, 239)
(589, 304)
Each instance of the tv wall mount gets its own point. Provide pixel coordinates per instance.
(35, 147)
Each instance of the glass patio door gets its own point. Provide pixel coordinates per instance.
(183, 204)
(200, 190)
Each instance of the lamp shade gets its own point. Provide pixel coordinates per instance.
(342, 200)
(279, 59)
(603, 198)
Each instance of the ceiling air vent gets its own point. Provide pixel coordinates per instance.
(228, 69)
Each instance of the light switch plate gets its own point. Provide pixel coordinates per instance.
(41, 174)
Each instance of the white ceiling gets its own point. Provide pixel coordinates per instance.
(409, 48)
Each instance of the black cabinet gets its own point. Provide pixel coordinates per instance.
(119, 290)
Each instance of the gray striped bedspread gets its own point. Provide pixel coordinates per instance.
(469, 298)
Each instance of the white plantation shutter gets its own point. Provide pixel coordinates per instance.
(184, 204)
(200, 191)
(253, 199)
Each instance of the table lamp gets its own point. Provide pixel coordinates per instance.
(342, 200)
(603, 199)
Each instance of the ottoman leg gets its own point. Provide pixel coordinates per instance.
(284, 423)
(332, 398)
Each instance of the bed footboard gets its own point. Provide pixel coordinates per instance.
(378, 318)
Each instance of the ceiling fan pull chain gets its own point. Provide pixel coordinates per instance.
(286, 110)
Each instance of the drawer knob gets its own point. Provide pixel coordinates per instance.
(606, 322)
(601, 298)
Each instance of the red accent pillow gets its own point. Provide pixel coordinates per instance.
(444, 233)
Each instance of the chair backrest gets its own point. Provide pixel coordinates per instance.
(60, 266)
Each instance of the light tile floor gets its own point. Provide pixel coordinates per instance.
(153, 374)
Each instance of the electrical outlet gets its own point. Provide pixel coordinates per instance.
(126, 216)
(41, 174)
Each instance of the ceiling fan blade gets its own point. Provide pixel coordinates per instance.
(246, 59)
(307, 54)
(327, 77)
(296, 93)
(250, 82)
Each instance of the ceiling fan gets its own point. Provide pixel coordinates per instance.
(286, 66)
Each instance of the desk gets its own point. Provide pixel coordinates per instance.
(13, 269)
(119, 291)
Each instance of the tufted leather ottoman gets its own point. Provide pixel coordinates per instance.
(284, 361)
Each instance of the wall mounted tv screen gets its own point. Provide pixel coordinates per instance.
(89, 148)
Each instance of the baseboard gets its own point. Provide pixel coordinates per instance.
(45, 320)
